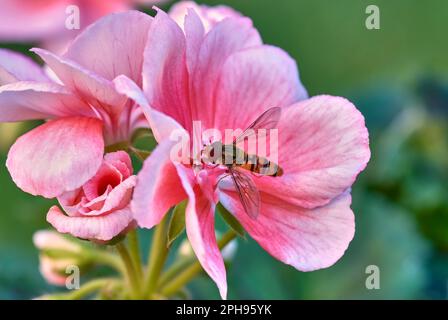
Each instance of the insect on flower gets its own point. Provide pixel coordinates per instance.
(239, 162)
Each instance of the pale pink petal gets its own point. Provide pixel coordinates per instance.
(226, 38)
(31, 20)
(48, 269)
(180, 9)
(117, 198)
(71, 201)
(119, 156)
(164, 70)
(102, 228)
(194, 35)
(307, 239)
(26, 100)
(200, 226)
(209, 15)
(95, 204)
(46, 239)
(162, 125)
(158, 187)
(323, 145)
(106, 176)
(58, 156)
(113, 45)
(18, 67)
(93, 88)
(121, 167)
(252, 81)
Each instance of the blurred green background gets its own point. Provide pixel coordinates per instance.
(398, 77)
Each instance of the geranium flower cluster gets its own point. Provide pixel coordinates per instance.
(130, 71)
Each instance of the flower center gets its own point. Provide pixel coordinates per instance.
(106, 181)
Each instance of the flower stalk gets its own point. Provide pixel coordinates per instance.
(177, 283)
(157, 257)
(130, 270)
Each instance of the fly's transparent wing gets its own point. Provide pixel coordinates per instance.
(247, 191)
(268, 120)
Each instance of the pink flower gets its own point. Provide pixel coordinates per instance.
(84, 110)
(45, 21)
(99, 210)
(53, 269)
(210, 16)
(226, 78)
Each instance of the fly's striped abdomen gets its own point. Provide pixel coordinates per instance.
(261, 166)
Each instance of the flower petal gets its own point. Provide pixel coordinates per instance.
(31, 20)
(164, 69)
(58, 156)
(323, 145)
(162, 125)
(102, 228)
(117, 198)
(226, 38)
(194, 35)
(209, 15)
(26, 100)
(158, 187)
(113, 45)
(18, 67)
(93, 88)
(200, 225)
(252, 81)
(119, 156)
(306, 239)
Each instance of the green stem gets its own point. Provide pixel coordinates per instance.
(135, 252)
(130, 272)
(83, 291)
(175, 269)
(157, 257)
(177, 283)
(90, 254)
(108, 259)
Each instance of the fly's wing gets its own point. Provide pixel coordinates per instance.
(247, 191)
(268, 120)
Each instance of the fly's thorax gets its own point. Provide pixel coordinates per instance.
(214, 153)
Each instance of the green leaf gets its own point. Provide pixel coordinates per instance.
(231, 220)
(177, 222)
(141, 133)
(140, 154)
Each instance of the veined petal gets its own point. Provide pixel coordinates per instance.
(252, 81)
(27, 100)
(113, 45)
(161, 124)
(102, 228)
(200, 225)
(95, 89)
(208, 15)
(307, 239)
(58, 156)
(224, 39)
(164, 70)
(323, 145)
(158, 187)
(117, 198)
(18, 67)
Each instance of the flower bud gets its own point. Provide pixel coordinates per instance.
(56, 254)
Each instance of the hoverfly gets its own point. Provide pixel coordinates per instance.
(241, 163)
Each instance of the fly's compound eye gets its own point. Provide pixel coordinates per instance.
(212, 153)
